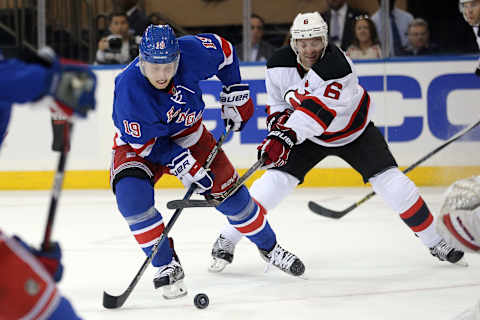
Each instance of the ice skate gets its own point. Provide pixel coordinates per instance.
(284, 260)
(170, 278)
(222, 254)
(446, 253)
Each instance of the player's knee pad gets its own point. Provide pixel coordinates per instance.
(129, 172)
(272, 187)
(134, 195)
(396, 189)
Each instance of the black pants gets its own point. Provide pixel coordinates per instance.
(368, 155)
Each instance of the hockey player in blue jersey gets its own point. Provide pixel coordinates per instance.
(28, 275)
(157, 113)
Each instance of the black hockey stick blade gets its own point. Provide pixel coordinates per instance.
(175, 204)
(318, 209)
(113, 302)
(182, 204)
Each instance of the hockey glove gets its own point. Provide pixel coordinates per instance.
(75, 92)
(50, 259)
(188, 170)
(237, 106)
(278, 118)
(277, 146)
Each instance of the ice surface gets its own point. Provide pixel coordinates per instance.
(367, 265)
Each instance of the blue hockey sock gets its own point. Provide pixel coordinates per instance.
(136, 203)
(248, 217)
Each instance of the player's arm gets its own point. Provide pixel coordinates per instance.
(71, 87)
(237, 106)
(311, 117)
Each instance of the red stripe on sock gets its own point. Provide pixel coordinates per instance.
(254, 225)
(150, 235)
(413, 209)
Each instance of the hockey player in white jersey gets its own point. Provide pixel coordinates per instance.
(316, 109)
(471, 13)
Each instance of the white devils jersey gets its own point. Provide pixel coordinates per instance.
(331, 108)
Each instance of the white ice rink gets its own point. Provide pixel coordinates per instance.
(367, 265)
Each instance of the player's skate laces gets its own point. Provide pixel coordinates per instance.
(284, 260)
(222, 254)
(446, 253)
(170, 278)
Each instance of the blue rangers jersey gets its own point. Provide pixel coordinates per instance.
(160, 124)
(20, 82)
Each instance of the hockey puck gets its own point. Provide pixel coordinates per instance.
(201, 301)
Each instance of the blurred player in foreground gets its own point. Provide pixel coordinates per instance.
(28, 275)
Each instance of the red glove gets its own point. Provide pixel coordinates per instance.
(237, 106)
(277, 146)
(278, 118)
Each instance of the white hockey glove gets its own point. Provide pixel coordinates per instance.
(237, 106)
(459, 222)
(188, 170)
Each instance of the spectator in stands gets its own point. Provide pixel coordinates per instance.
(470, 10)
(397, 28)
(119, 47)
(137, 18)
(260, 49)
(340, 18)
(365, 43)
(101, 23)
(419, 39)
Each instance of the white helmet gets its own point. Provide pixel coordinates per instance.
(308, 25)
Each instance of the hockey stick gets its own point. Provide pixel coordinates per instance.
(318, 209)
(187, 203)
(57, 185)
(113, 302)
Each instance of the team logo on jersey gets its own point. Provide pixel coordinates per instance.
(187, 117)
(207, 43)
(160, 45)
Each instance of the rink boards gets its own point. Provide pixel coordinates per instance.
(419, 104)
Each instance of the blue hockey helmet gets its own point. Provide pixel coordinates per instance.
(159, 45)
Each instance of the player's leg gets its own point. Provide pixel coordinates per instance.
(132, 182)
(371, 157)
(28, 290)
(243, 212)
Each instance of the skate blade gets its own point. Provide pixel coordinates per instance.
(174, 291)
(462, 262)
(217, 265)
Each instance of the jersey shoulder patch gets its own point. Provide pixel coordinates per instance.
(333, 65)
(283, 57)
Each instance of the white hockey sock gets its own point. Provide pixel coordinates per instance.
(268, 190)
(229, 232)
(272, 187)
(401, 194)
